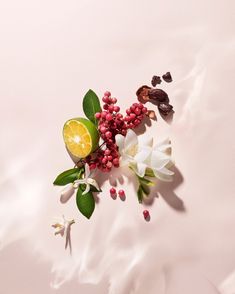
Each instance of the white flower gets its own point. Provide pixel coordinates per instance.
(140, 154)
(63, 228)
(88, 180)
(69, 190)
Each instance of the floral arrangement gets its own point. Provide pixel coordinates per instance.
(107, 139)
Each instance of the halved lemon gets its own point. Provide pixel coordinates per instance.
(80, 136)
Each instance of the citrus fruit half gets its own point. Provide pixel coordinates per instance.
(80, 136)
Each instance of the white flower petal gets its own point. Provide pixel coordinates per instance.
(130, 139)
(143, 155)
(120, 142)
(93, 183)
(87, 189)
(159, 159)
(145, 140)
(141, 168)
(87, 171)
(163, 142)
(67, 193)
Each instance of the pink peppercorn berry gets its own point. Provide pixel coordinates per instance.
(112, 191)
(121, 193)
(146, 214)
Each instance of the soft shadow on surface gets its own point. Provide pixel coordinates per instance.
(167, 191)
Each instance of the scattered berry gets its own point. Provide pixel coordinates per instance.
(112, 191)
(121, 193)
(146, 214)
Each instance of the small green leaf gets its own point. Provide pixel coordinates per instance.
(145, 181)
(140, 194)
(68, 176)
(149, 173)
(145, 189)
(85, 203)
(91, 105)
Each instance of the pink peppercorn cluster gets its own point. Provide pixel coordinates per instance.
(135, 115)
(110, 123)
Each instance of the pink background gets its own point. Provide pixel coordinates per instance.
(52, 52)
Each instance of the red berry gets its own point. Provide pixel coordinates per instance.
(128, 111)
(112, 191)
(108, 135)
(144, 110)
(104, 160)
(103, 114)
(93, 166)
(121, 193)
(105, 106)
(109, 164)
(127, 118)
(114, 100)
(109, 117)
(107, 152)
(146, 214)
(116, 108)
(132, 116)
(103, 129)
(137, 111)
(110, 158)
(116, 161)
(111, 108)
(107, 93)
(140, 105)
(119, 116)
(98, 115)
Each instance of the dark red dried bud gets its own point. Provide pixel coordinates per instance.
(165, 108)
(167, 77)
(156, 80)
(143, 94)
(158, 95)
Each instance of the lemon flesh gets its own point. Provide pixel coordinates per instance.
(80, 136)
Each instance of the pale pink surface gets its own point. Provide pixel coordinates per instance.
(51, 53)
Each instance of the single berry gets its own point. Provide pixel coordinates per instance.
(98, 115)
(146, 214)
(107, 93)
(112, 191)
(109, 117)
(121, 193)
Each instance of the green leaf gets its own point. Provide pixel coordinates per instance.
(91, 105)
(68, 176)
(149, 173)
(145, 181)
(85, 203)
(145, 189)
(140, 194)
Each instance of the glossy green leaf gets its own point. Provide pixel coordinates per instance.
(68, 176)
(91, 105)
(85, 203)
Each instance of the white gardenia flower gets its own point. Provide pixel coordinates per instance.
(140, 154)
(69, 189)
